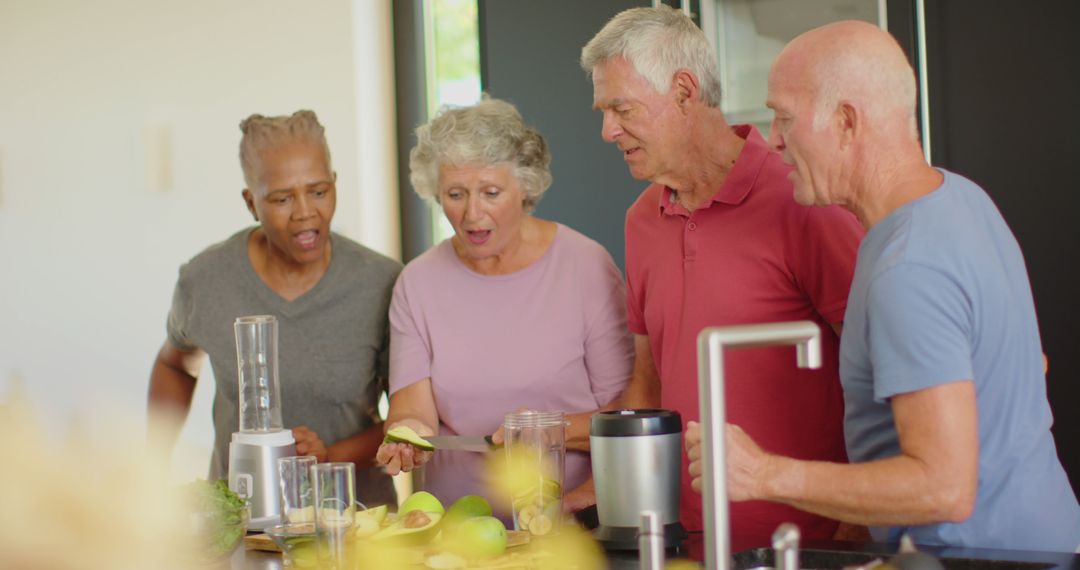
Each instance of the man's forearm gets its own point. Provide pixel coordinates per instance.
(889, 492)
(641, 392)
(360, 448)
(577, 432)
(933, 479)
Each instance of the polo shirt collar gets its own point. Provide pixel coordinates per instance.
(739, 181)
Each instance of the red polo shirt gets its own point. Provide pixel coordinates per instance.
(752, 255)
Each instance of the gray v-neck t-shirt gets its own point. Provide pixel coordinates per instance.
(332, 348)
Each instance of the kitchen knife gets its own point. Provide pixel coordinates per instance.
(480, 443)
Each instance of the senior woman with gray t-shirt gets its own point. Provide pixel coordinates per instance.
(329, 294)
(512, 311)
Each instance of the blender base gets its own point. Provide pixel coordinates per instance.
(626, 537)
(253, 473)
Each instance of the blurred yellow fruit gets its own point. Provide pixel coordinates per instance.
(445, 561)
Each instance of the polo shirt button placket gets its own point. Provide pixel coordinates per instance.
(689, 249)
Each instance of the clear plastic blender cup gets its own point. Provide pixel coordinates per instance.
(257, 373)
(536, 449)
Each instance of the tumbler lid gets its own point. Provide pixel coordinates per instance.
(624, 423)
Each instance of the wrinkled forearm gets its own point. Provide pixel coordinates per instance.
(896, 491)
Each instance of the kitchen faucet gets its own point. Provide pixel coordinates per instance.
(712, 341)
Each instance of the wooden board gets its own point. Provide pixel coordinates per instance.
(260, 542)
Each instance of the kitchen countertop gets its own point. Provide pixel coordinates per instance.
(961, 558)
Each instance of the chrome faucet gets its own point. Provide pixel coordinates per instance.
(712, 341)
(785, 543)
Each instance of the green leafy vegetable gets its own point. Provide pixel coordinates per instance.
(219, 515)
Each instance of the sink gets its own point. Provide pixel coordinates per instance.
(809, 559)
(762, 558)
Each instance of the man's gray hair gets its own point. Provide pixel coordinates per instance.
(657, 42)
(489, 133)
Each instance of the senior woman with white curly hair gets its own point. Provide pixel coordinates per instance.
(511, 311)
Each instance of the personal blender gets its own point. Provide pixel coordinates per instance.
(261, 440)
(636, 457)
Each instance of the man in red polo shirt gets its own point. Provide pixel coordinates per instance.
(718, 240)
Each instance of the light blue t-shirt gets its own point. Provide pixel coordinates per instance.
(941, 294)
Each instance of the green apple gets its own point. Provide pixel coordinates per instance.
(479, 538)
(421, 501)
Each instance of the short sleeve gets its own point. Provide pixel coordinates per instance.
(410, 350)
(179, 320)
(919, 323)
(824, 260)
(609, 347)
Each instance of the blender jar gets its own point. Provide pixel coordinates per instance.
(257, 373)
(535, 445)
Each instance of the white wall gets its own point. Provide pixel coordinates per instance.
(89, 248)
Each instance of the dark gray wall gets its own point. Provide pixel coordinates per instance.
(1004, 86)
(529, 56)
(410, 85)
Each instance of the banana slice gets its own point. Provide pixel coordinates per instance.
(540, 525)
(526, 515)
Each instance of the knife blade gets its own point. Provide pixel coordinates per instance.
(478, 443)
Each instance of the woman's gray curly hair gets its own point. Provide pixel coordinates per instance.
(488, 133)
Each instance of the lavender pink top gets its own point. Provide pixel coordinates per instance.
(552, 336)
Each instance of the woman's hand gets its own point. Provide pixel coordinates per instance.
(398, 457)
(309, 443)
(412, 406)
(499, 437)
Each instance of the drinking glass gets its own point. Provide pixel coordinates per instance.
(297, 500)
(335, 507)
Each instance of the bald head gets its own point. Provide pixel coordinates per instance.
(844, 103)
(857, 62)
